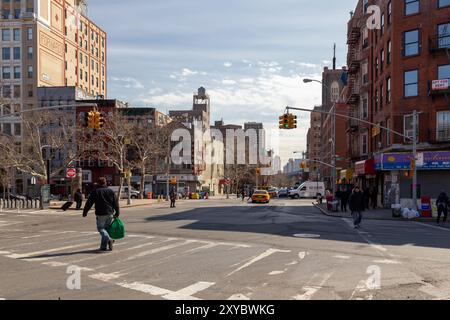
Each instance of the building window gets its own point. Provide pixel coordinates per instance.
(443, 126)
(444, 35)
(443, 3)
(364, 145)
(377, 66)
(365, 6)
(30, 53)
(411, 43)
(381, 96)
(411, 83)
(409, 127)
(389, 10)
(30, 72)
(16, 91)
(30, 33)
(412, 7)
(364, 108)
(16, 34)
(17, 129)
(6, 35)
(382, 60)
(334, 91)
(17, 53)
(389, 52)
(6, 54)
(388, 90)
(388, 133)
(382, 24)
(17, 72)
(6, 72)
(444, 72)
(6, 91)
(7, 128)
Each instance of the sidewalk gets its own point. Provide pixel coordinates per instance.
(377, 214)
(56, 205)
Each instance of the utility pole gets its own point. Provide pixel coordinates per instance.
(414, 184)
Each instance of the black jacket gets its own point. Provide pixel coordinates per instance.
(105, 201)
(443, 200)
(356, 201)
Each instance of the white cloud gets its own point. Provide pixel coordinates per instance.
(227, 64)
(229, 82)
(128, 82)
(187, 72)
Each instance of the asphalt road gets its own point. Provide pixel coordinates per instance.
(223, 249)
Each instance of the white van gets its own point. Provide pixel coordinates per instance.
(134, 193)
(308, 190)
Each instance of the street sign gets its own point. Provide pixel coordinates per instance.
(71, 173)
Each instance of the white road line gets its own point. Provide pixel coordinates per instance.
(158, 250)
(311, 290)
(371, 243)
(361, 288)
(37, 253)
(145, 288)
(387, 261)
(431, 226)
(188, 292)
(342, 257)
(264, 255)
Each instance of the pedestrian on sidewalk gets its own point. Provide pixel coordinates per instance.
(78, 197)
(338, 196)
(344, 200)
(357, 205)
(106, 210)
(374, 197)
(173, 198)
(443, 205)
(366, 198)
(243, 195)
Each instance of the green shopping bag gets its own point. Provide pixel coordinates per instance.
(117, 229)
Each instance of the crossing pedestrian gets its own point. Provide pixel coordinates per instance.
(106, 210)
(443, 205)
(344, 200)
(173, 198)
(78, 197)
(357, 205)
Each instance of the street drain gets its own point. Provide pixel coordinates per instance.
(305, 235)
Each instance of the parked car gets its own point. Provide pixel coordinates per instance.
(261, 196)
(283, 193)
(134, 194)
(273, 193)
(308, 190)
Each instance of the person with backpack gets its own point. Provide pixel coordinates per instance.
(106, 210)
(443, 205)
(357, 205)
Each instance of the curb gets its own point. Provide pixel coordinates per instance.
(123, 207)
(326, 213)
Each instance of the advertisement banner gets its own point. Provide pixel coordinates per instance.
(433, 160)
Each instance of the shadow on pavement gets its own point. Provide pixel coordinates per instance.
(67, 254)
(287, 221)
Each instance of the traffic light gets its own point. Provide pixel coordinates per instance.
(292, 121)
(258, 171)
(303, 165)
(91, 120)
(96, 120)
(102, 121)
(284, 122)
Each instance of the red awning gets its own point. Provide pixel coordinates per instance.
(365, 168)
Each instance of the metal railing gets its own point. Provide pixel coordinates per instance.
(19, 204)
(440, 42)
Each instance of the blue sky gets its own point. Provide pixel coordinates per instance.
(250, 55)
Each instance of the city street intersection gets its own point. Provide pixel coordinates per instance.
(223, 249)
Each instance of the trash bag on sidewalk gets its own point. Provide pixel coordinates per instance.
(117, 229)
(410, 214)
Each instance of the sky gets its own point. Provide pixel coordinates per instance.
(250, 55)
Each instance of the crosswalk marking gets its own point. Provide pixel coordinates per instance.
(262, 256)
(29, 255)
(311, 290)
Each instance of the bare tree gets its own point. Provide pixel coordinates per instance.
(149, 145)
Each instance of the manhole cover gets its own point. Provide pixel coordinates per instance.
(306, 235)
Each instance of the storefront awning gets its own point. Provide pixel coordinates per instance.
(347, 174)
(365, 168)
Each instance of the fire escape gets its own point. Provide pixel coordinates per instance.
(353, 92)
(439, 44)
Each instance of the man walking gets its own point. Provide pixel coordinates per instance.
(357, 205)
(78, 197)
(173, 198)
(443, 205)
(106, 209)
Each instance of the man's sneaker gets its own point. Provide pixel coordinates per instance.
(111, 245)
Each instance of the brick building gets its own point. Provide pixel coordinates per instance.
(392, 72)
(313, 144)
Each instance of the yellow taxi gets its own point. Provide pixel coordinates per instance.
(260, 196)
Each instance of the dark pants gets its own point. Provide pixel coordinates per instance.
(440, 212)
(172, 203)
(343, 205)
(79, 204)
(357, 218)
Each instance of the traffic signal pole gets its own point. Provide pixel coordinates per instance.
(413, 139)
